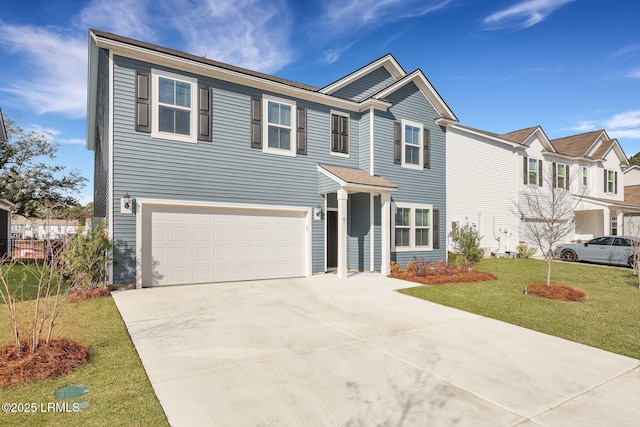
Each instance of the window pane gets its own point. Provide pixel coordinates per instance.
(422, 218)
(533, 165)
(279, 138)
(402, 237)
(533, 178)
(411, 135)
(279, 114)
(273, 112)
(166, 89)
(422, 237)
(183, 94)
(412, 155)
(182, 120)
(403, 217)
(165, 119)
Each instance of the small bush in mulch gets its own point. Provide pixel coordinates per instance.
(85, 294)
(439, 273)
(55, 359)
(557, 292)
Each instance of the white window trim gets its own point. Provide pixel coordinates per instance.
(347, 115)
(537, 163)
(420, 164)
(265, 126)
(412, 234)
(193, 128)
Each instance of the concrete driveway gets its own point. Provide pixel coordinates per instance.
(328, 352)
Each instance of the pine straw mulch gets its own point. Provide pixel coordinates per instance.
(85, 294)
(58, 358)
(443, 278)
(556, 292)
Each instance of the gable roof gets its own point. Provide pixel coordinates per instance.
(577, 145)
(387, 61)
(519, 136)
(4, 136)
(357, 176)
(632, 195)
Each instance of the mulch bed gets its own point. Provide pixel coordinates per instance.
(85, 294)
(58, 358)
(459, 276)
(557, 292)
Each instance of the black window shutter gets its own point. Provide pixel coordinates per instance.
(204, 113)
(525, 171)
(143, 104)
(540, 173)
(335, 133)
(256, 123)
(397, 143)
(436, 229)
(615, 182)
(426, 142)
(606, 179)
(567, 177)
(554, 174)
(343, 145)
(301, 134)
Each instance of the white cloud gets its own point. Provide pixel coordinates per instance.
(626, 51)
(53, 60)
(55, 72)
(332, 55)
(623, 125)
(634, 74)
(351, 15)
(523, 15)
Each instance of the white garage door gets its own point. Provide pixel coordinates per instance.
(199, 245)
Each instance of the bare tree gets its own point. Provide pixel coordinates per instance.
(548, 213)
(632, 228)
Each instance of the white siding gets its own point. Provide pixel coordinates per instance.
(632, 176)
(482, 187)
(612, 162)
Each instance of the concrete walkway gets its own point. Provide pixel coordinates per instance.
(328, 352)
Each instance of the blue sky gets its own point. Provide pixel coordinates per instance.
(570, 66)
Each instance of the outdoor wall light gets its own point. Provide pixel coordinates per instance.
(317, 213)
(126, 204)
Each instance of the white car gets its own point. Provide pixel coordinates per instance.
(615, 250)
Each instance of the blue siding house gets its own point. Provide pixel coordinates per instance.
(207, 172)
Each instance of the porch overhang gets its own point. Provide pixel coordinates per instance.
(343, 181)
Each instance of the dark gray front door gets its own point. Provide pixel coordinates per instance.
(332, 239)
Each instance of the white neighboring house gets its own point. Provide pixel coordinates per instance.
(487, 172)
(5, 225)
(632, 197)
(24, 228)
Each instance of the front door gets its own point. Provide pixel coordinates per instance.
(332, 239)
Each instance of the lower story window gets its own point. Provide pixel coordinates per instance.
(413, 229)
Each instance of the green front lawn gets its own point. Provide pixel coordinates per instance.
(119, 391)
(609, 320)
(23, 281)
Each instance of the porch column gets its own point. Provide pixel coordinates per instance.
(606, 217)
(385, 229)
(342, 234)
(621, 229)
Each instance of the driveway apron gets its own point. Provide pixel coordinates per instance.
(322, 351)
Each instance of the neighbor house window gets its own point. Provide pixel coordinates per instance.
(174, 115)
(413, 229)
(533, 171)
(614, 225)
(279, 123)
(412, 156)
(561, 176)
(611, 181)
(585, 176)
(339, 133)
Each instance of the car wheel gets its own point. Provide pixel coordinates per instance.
(631, 262)
(568, 255)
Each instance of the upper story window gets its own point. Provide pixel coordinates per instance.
(174, 114)
(412, 145)
(585, 176)
(413, 227)
(339, 133)
(532, 171)
(610, 181)
(279, 123)
(561, 176)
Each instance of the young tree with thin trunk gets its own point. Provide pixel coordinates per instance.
(548, 213)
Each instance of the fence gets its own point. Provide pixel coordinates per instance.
(27, 249)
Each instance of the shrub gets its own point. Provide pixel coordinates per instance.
(86, 258)
(394, 266)
(525, 251)
(467, 241)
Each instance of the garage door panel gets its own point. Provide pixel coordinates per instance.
(195, 244)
